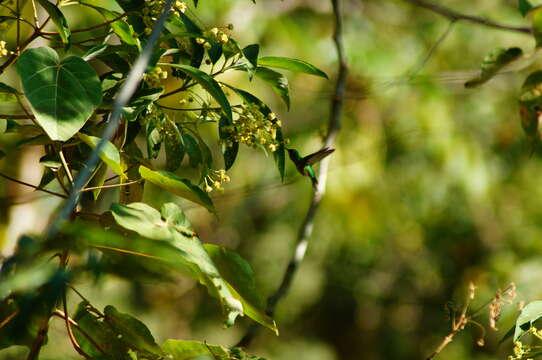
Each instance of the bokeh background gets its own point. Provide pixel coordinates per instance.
(432, 186)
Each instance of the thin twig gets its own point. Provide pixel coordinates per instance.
(73, 340)
(334, 126)
(454, 15)
(32, 186)
(39, 340)
(73, 323)
(65, 165)
(432, 50)
(111, 186)
(95, 27)
(8, 319)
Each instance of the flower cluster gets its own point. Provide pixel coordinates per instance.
(214, 34)
(3, 50)
(153, 9)
(253, 128)
(215, 180)
(155, 77)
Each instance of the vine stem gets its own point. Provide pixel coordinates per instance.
(334, 125)
(457, 16)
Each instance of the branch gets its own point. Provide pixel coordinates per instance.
(32, 186)
(456, 16)
(334, 126)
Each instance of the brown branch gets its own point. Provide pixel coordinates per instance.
(73, 323)
(456, 16)
(8, 319)
(39, 340)
(73, 340)
(306, 228)
(32, 186)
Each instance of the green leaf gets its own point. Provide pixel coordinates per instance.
(292, 65)
(109, 154)
(530, 103)
(120, 27)
(251, 54)
(189, 350)
(7, 93)
(63, 94)
(174, 146)
(133, 332)
(530, 313)
(174, 184)
(536, 19)
(98, 331)
(58, 19)
(192, 149)
(239, 274)
(524, 7)
(206, 82)
(171, 226)
(98, 180)
(27, 277)
(230, 154)
(277, 81)
(493, 63)
(192, 350)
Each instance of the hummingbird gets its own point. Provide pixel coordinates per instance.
(304, 164)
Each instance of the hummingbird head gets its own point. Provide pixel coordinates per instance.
(294, 155)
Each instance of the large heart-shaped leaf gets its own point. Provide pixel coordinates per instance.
(63, 94)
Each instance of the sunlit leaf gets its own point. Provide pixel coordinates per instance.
(58, 19)
(63, 94)
(178, 186)
(277, 81)
(530, 313)
(240, 276)
(109, 153)
(171, 226)
(192, 350)
(291, 64)
(120, 27)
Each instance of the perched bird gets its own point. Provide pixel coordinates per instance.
(304, 164)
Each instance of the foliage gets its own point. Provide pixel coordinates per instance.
(70, 87)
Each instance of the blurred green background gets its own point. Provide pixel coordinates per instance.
(431, 187)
